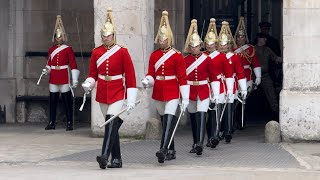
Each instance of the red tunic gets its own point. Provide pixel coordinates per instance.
(165, 90)
(219, 69)
(249, 63)
(64, 57)
(119, 63)
(234, 62)
(200, 73)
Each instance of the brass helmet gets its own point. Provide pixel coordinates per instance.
(241, 29)
(59, 30)
(225, 35)
(193, 38)
(212, 35)
(109, 27)
(164, 31)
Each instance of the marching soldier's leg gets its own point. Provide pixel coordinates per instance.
(169, 122)
(116, 161)
(215, 126)
(110, 134)
(192, 108)
(67, 100)
(194, 131)
(209, 125)
(171, 153)
(201, 127)
(228, 123)
(53, 102)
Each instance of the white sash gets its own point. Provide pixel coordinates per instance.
(214, 54)
(164, 58)
(196, 63)
(56, 51)
(229, 55)
(107, 54)
(242, 48)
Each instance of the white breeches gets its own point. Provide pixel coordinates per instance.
(223, 99)
(59, 88)
(198, 106)
(167, 107)
(111, 109)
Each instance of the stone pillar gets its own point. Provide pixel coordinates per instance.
(134, 25)
(300, 97)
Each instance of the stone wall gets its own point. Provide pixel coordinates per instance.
(300, 97)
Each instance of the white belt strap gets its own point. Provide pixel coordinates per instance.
(164, 58)
(165, 77)
(214, 54)
(56, 51)
(110, 78)
(196, 63)
(242, 48)
(229, 55)
(197, 83)
(246, 67)
(107, 54)
(59, 67)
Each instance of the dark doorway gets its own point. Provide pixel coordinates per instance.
(254, 11)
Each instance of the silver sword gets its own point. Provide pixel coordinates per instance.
(175, 128)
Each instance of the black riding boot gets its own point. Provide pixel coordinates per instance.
(194, 131)
(53, 102)
(228, 123)
(211, 116)
(108, 141)
(116, 161)
(67, 101)
(169, 122)
(171, 152)
(214, 120)
(201, 127)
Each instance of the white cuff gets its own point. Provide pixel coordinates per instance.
(230, 84)
(48, 67)
(185, 91)
(91, 81)
(150, 79)
(257, 72)
(132, 95)
(75, 75)
(243, 84)
(215, 86)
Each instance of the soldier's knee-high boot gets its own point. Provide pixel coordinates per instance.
(108, 141)
(201, 127)
(53, 102)
(116, 161)
(228, 128)
(169, 122)
(171, 152)
(194, 131)
(214, 118)
(67, 101)
(211, 116)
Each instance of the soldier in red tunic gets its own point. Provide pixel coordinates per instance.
(60, 61)
(226, 43)
(111, 66)
(249, 61)
(198, 70)
(167, 75)
(219, 70)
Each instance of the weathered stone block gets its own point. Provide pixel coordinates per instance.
(300, 116)
(153, 129)
(272, 132)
